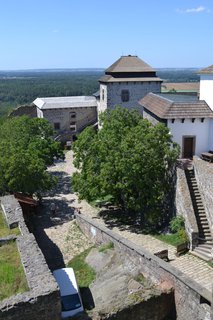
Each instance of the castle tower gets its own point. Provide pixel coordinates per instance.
(126, 82)
(206, 85)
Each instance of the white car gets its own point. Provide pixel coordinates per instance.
(71, 302)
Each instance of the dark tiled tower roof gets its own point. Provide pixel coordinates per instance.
(129, 69)
(129, 64)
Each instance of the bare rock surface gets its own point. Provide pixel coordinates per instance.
(115, 287)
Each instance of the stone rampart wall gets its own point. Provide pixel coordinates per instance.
(204, 177)
(188, 294)
(42, 301)
(184, 207)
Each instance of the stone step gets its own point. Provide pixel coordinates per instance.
(203, 218)
(205, 236)
(193, 186)
(206, 245)
(208, 238)
(203, 223)
(199, 206)
(202, 213)
(200, 254)
(203, 248)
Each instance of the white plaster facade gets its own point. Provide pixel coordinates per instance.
(102, 106)
(200, 131)
(206, 89)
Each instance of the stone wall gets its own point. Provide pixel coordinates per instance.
(184, 208)
(137, 90)
(189, 296)
(153, 120)
(204, 176)
(146, 310)
(24, 111)
(84, 117)
(42, 301)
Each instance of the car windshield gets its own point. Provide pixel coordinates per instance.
(70, 302)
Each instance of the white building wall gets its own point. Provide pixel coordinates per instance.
(197, 128)
(39, 113)
(206, 89)
(211, 135)
(103, 98)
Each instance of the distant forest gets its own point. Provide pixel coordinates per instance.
(22, 87)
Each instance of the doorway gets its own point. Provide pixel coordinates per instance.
(188, 147)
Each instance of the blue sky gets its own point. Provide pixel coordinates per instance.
(95, 33)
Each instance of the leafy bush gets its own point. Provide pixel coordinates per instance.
(177, 224)
(182, 235)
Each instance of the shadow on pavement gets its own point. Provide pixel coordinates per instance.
(63, 185)
(50, 250)
(122, 220)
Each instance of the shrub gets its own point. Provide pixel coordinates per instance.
(182, 235)
(177, 224)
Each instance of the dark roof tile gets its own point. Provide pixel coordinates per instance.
(129, 64)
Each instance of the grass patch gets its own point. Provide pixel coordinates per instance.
(4, 230)
(210, 263)
(104, 247)
(12, 277)
(173, 239)
(84, 273)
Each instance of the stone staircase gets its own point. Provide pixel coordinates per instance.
(204, 248)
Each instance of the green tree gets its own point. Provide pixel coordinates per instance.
(129, 159)
(26, 149)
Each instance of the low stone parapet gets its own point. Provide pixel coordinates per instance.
(42, 301)
(184, 208)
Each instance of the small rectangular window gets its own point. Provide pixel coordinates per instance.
(73, 128)
(125, 95)
(72, 115)
(57, 125)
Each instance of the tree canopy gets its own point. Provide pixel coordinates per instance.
(128, 159)
(26, 149)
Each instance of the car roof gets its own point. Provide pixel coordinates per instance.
(66, 280)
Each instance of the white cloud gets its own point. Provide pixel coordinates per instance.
(194, 10)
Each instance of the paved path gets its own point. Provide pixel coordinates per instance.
(57, 234)
(66, 201)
